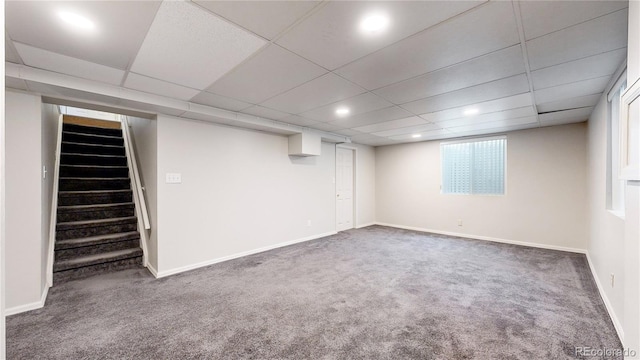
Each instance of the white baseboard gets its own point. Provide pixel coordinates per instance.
(161, 274)
(612, 314)
(365, 225)
(31, 306)
(152, 270)
(488, 238)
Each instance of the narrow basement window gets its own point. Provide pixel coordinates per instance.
(474, 167)
(615, 186)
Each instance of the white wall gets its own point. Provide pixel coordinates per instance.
(2, 200)
(606, 231)
(145, 142)
(49, 134)
(365, 185)
(613, 242)
(632, 203)
(23, 243)
(546, 189)
(240, 192)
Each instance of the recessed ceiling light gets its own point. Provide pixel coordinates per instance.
(343, 111)
(76, 20)
(374, 23)
(471, 111)
(415, 136)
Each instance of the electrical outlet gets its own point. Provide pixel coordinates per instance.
(459, 222)
(613, 280)
(308, 222)
(174, 178)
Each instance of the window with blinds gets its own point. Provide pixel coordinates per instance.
(474, 167)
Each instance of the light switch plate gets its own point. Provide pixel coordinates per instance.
(174, 178)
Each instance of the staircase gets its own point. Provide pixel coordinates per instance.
(96, 228)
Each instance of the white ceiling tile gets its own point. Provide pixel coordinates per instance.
(593, 37)
(265, 18)
(47, 60)
(348, 132)
(424, 135)
(331, 36)
(393, 124)
(506, 103)
(604, 64)
(533, 120)
(568, 91)
(572, 103)
(326, 126)
(318, 92)
(408, 130)
(498, 129)
(14, 83)
(10, 53)
(506, 115)
(462, 38)
(120, 28)
(357, 105)
(269, 73)
(187, 45)
(264, 112)
(566, 116)
(543, 17)
(364, 138)
(373, 117)
(494, 66)
(489, 91)
(159, 87)
(299, 120)
(222, 102)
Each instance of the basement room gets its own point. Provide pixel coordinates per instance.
(320, 180)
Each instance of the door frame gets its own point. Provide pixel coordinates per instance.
(335, 183)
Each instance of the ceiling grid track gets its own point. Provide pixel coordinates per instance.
(525, 56)
(375, 73)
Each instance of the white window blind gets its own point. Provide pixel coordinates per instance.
(474, 167)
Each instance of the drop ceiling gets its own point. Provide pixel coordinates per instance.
(520, 64)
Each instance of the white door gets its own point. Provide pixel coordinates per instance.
(344, 189)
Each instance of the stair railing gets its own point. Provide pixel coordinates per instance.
(138, 190)
(54, 205)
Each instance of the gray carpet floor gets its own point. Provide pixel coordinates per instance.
(372, 293)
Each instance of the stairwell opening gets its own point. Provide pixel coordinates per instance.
(97, 227)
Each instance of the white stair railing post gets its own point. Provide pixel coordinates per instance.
(136, 186)
(54, 205)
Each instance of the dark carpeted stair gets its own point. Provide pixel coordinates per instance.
(97, 229)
